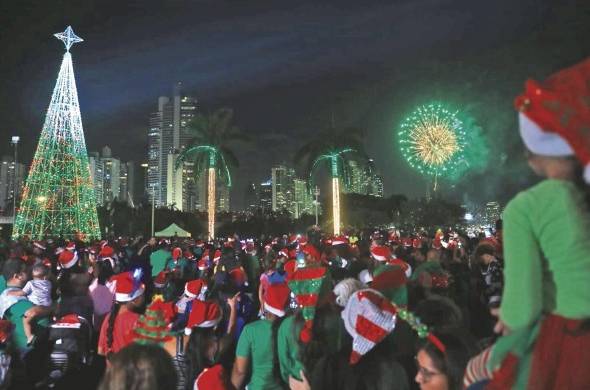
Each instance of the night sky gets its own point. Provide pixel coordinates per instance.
(287, 68)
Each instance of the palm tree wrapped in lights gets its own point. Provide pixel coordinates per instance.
(209, 151)
(336, 148)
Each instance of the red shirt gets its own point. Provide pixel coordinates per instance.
(122, 331)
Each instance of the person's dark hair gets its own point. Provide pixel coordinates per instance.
(111, 325)
(440, 313)
(452, 363)
(12, 267)
(484, 249)
(140, 367)
(377, 370)
(196, 352)
(582, 185)
(324, 337)
(104, 271)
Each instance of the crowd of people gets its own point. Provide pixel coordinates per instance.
(373, 309)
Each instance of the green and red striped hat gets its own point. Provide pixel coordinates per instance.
(152, 326)
(306, 284)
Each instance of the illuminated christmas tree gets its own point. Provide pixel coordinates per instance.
(58, 198)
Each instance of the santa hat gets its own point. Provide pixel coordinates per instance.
(200, 243)
(160, 279)
(211, 379)
(339, 240)
(554, 116)
(368, 317)
(293, 238)
(67, 259)
(151, 327)
(276, 297)
(381, 253)
(403, 265)
(128, 286)
(345, 288)
(203, 315)
(39, 245)
(391, 281)
(188, 255)
(106, 251)
(71, 246)
(238, 276)
(203, 264)
(283, 253)
(306, 284)
(196, 289)
(417, 243)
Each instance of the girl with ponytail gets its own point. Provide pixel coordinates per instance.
(116, 330)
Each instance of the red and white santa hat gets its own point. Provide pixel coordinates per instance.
(381, 253)
(204, 314)
(196, 289)
(160, 279)
(71, 246)
(188, 255)
(554, 116)
(128, 286)
(39, 245)
(67, 259)
(276, 298)
(339, 240)
(106, 251)
(368, 317)
(203, 263)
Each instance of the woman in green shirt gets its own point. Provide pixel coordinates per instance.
(545, 310)
(255, 346)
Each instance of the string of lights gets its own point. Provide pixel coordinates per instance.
(58, 197)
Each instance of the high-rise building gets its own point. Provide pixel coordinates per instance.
(282, 187)
(167, 136)
(130, 183)
(111, 176)
(7, 182)
(265, 196)
(222, 201)
(302, 199)
(493, 213)
(251, 197)
(97, 175)
(356, 183)
(374, 181)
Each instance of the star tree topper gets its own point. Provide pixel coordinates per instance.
(68, 37)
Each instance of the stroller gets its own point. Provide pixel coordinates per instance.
(70, 347)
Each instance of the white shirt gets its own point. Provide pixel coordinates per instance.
(38, 292)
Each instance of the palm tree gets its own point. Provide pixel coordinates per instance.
(335, 147)
(209, 151)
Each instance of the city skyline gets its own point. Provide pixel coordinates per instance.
(286, 76)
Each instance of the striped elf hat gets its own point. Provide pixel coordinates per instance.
(368, 317)
(306, 284)
(151, 327)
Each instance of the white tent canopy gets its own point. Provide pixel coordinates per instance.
(173, 231)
